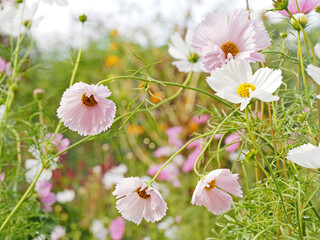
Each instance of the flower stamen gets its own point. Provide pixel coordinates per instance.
(212, 185)
(243, 89)
(142, 193)
(193, 57)
(88, 101)
(230, 47)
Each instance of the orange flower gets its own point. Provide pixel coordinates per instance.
(135, 129)
(112, 61)
(113, 46)
(156, 97)
(114, 33)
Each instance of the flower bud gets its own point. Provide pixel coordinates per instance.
(283, 35)
(19, 1)
(280, 4)
(301, 18)
(318, 8)
(82, 18)
(38, 93)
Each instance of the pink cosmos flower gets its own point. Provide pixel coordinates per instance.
(236, 138)
(47, 198)
(305, 6)
(2, 176)
(169, 173)
(4, 66)
(217, 200)
(137, 200)
(60, 143)
(117, 228)
(85, 109)
(200, 120)
(220, 39)
(189, 163)
(173, 134)
(163, 151)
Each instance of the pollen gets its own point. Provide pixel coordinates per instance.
(88, 101)
(212, 185)
(230, 47)
(142, 193)
(193, 57)
(243, 89)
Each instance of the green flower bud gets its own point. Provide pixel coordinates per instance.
(19, 1)
(283, 35)
(280, 4)
(301, 18)
(318, 8)
(82, 18)
(38, 93)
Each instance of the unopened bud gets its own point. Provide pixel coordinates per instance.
(280, 4)
(27, 23)
(318, 8)
(301, 18)
(38, 93)
(19, 1)
(283, 35)
(82, 18)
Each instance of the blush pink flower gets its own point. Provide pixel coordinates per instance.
(137, 200)
(220, 39)
(4, 67)
(47, 198)
(212, 191)
(305, 6)
(169, 173)
(189, 163)
(85, 109)
(117, 228)
(235, 140)
(201, 120)
(2, 176)
(59, 142)
(173, 134)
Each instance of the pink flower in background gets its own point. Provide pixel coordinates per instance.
(189, 163)
(169, 173)
(201, 120)
(163, 151)
(236, 139)
(2, 176)
(217, 136)
(117, 228)
(46, 196)
(305, 6)
(220, 39)
(173, 134)
(60, 142)
(137, 200)
(85, 109)
(217, 200)
(4, 67)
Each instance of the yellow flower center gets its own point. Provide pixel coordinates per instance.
(193, 57)
(142, 193)
(230, 47)
(212, 185)
(243, 89)
(88, 101)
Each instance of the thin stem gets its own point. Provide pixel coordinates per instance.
(268, 164)
(19, 157)
(29, 190)
(40, 111)
(78, 58)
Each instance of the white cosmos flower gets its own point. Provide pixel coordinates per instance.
(33, 167)
(234, 82)
(98, 230)
(114, 175)
(314, 71)
(306, 155)
(65, 196)
(58, 2)
(188, 58)
(58, 233)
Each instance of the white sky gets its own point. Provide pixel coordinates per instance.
(140, 20)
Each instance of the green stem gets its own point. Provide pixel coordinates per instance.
(268, 164)
(29, 190)
(19, 157)
(40, 111)
(304, 77)
(168, 84)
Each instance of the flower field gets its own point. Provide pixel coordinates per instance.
(214, 135)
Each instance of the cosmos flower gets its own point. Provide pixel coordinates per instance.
(59, 142)
(85, 109)
(58, 233)
(117, 228)
(169, 173)
(33, 167)
(314, 71)
(47, 198)
(305, 7)
(173, 134)
(212, 191)
(189, 163)
(189, 59)
(98, 230)
(220, 39)
(114, 175)
(58, 2)
(65, 196)
(4, 67)
(234, 82)
(137, 200)
(236, 139)
(306, 155)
